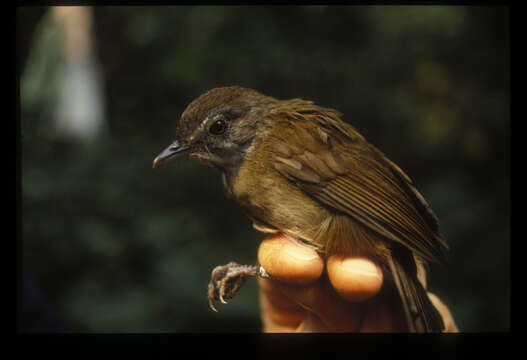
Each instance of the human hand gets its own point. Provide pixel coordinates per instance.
(299, 298)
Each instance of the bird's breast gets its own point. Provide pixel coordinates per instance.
(270, 198)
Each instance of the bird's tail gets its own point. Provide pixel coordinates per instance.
(421, 315)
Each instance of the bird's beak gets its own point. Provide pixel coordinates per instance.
(170, 152)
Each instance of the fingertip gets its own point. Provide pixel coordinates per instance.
(287, 260)
(355, 279)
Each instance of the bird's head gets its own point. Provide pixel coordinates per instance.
(218, 127)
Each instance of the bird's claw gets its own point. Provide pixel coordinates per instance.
(226, 280)
(222, 300)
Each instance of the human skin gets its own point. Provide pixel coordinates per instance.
(298, 297)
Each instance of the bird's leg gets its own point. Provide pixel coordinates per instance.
(226, 280)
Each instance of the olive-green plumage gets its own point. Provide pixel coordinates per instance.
(297, 168)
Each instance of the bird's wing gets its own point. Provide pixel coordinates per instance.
(333, 163)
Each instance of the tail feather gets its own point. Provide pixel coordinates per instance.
(421, 315)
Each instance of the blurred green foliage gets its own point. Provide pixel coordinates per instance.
(114, 246)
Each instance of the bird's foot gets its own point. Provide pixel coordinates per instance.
(226, 280)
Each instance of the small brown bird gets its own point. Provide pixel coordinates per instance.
(296, 168)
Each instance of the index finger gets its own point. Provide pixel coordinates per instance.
(288, 261)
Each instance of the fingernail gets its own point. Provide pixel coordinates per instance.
(361, 266)
(298, 251)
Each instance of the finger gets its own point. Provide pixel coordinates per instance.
(355, 279)
(377, 318)
(312, 323)
(297, 267)
(293, 290)
(383, 313)
(278, 312)
(289, 261)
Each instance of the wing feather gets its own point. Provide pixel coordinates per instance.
(332, 163)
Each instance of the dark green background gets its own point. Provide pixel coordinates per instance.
(111, 245)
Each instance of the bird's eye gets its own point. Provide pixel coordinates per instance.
(218, 127)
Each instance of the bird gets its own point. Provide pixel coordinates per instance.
(296, 168)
